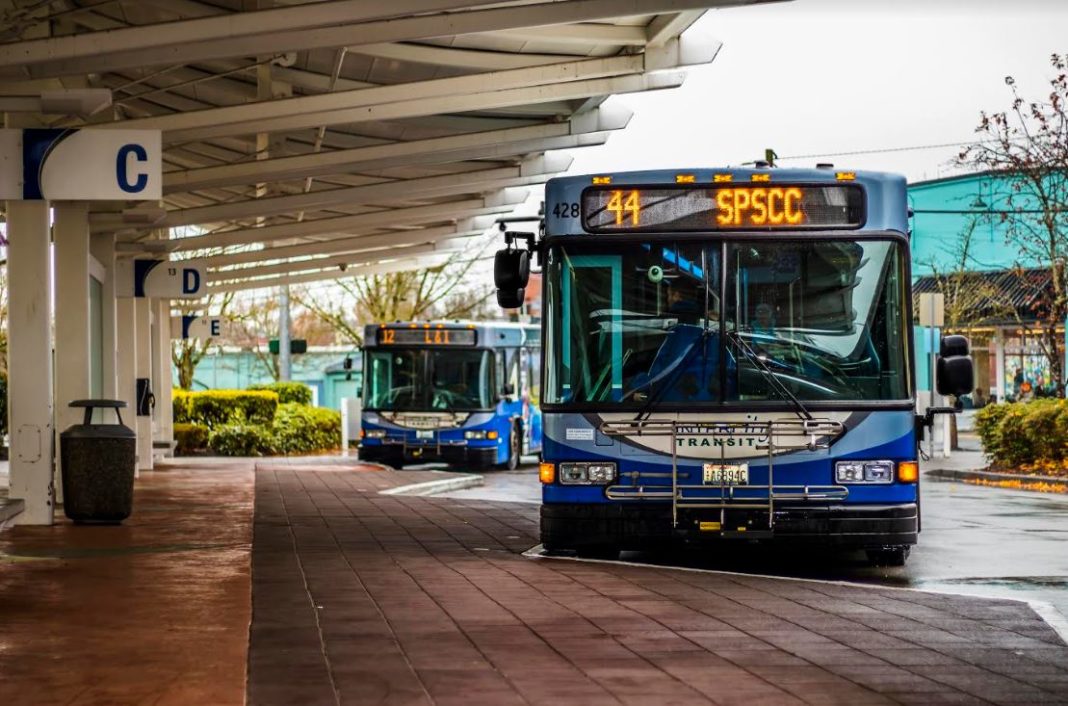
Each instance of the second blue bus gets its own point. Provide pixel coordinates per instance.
(461, 393)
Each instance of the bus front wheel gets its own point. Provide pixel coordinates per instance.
(514, 450)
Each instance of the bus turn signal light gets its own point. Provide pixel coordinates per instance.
(546, 472)
(908, 472)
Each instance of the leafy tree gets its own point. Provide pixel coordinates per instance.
(441, 292)
(970, 301)
(255, 323)
(1027, 146)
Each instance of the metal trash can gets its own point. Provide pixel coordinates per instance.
(98, 463)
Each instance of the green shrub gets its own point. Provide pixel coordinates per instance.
(180, 400)
(1024, 433)
(301, 429)
(988, 427)
(214, 408)
(189, 438)
(242, 440)
(288, 391)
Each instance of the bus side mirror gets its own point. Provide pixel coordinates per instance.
(955, 374)
(511, 272)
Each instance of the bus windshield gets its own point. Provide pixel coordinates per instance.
(686, 322)
(420, 379)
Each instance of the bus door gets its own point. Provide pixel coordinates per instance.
(602, 274)
(529, 367)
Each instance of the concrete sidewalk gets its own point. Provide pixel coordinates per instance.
(361, 597)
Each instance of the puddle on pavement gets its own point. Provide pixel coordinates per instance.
(1012, 581)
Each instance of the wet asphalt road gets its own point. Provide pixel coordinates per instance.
(978, 540)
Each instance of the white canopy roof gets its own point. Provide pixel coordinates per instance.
(306, 137)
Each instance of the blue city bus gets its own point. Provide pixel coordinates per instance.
(462, 393)
(728, 356)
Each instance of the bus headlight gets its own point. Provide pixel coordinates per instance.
(587, 473)
(864, 472)
(375, 434)
(475, 434)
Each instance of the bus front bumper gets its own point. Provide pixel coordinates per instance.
(458, 454)
(640, 526)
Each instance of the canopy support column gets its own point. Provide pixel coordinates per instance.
(30, 360)
(72, 351)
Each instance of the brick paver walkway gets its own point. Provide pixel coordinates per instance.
(362, 598)
(155, 611)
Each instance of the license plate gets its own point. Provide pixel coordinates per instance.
(424, 434)
(721, 474)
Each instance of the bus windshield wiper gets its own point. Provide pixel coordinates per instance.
(774, 382)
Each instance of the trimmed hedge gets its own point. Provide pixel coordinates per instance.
(242, 440)
(288, 392)
(1024, 433)
(180, 405)
(190, 438)
(253, 423)
(301, 429)
(213, 408)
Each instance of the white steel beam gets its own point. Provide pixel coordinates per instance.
(528, 172)
(476, 60)
(171, 36)
(347, 260)
(580, 35)
(500, 202)
(480, 145)
(381, 268)
(351, 106)
(666, 27)
(316, 26)
(337, 246)
(421, 107)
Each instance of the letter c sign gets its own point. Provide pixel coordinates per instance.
(122, 173)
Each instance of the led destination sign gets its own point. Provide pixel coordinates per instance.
(722, 207)
(425, 337)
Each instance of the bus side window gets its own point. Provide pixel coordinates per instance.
(508, 371)
(532, 366)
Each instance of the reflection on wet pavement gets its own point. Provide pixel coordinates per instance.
(977, 540)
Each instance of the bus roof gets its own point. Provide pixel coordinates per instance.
(885, 193)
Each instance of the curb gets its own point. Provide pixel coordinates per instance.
(9, 510)
(951, 474)
(434, 487)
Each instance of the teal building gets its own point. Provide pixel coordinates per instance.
(323, 369)
(958, 225)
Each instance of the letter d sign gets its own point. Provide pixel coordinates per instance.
(190, 281)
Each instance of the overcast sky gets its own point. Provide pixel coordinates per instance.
(814, 77)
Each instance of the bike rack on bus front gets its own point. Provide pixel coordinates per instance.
(816, 433)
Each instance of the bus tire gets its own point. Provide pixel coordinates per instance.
(889, 556)
(514, 449)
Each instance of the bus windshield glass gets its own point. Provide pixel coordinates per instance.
(419, 379)
(686, 323)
